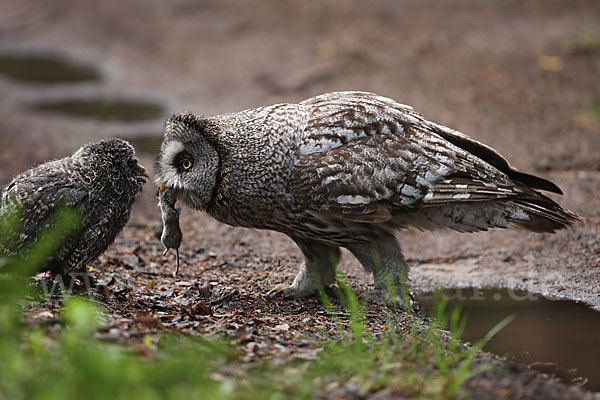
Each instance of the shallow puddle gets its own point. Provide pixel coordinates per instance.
(103, 109)
(557, 335)
(41, 69)
(146, 144)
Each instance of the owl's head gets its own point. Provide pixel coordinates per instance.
(111, 165)
(188, 161)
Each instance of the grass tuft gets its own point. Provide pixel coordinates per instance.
(410, 359)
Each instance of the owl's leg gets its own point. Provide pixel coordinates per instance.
(316, 272)
(383, 257)
(74, 281)
(83, 276)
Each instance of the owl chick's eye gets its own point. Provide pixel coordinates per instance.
(185, 164)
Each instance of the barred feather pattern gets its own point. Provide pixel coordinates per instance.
(367, 159)
(345, 169)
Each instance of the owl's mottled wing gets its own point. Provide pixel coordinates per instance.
(346, 115)
(37, 194)
(364, 157)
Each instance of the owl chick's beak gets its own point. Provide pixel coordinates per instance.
(143, 175)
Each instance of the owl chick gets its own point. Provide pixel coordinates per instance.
(348, 169)
(101, 181)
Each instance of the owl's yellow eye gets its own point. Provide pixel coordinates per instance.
(186, 164)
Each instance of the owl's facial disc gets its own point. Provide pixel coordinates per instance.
(190, 167)
(167, 172)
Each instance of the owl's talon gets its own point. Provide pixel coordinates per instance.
(384, 299)
(291, 292)
(288, 292)
(280, 290)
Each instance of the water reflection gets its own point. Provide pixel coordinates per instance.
(149, 144)
(45, 69)
(557, 335)
(103, 109)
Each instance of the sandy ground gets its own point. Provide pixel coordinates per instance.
(508, 73)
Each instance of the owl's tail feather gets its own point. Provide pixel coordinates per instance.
(544, 215)
(494, 204)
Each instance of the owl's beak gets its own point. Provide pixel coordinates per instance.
(162, 188)
(144, 176)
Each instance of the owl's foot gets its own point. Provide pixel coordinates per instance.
(291, 292)
(77, 282)
(383, 258)
(287, 291)
(385, 298)
(395, 301)
(316, 272)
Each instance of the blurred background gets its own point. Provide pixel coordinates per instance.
(523, 76)
(520, 75)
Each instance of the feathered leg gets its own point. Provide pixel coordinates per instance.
(383, 257)
(316, 272)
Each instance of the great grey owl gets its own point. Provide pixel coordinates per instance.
(347, 169)
(100, 181)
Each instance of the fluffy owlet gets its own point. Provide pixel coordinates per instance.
(101, 181)
(346, 170)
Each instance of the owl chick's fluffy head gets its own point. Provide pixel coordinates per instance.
(111, 165)
(188, 160)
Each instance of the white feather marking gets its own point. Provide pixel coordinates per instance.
(403, 163)
(389, 173)
(386, 130)
(407, 201)
(387, 193)
(423, 181)
(434, 176)
(169, 173)
(460, 196)
(411, 119)
(518, 213)
(442, 171)
(410, 191)
(409, 108)
(318, 146)
(170, 152)
(169, 176)
(397, 128)
(410, 155)
(332, 178)
(356, 199)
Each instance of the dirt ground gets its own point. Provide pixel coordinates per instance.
(513, 74)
